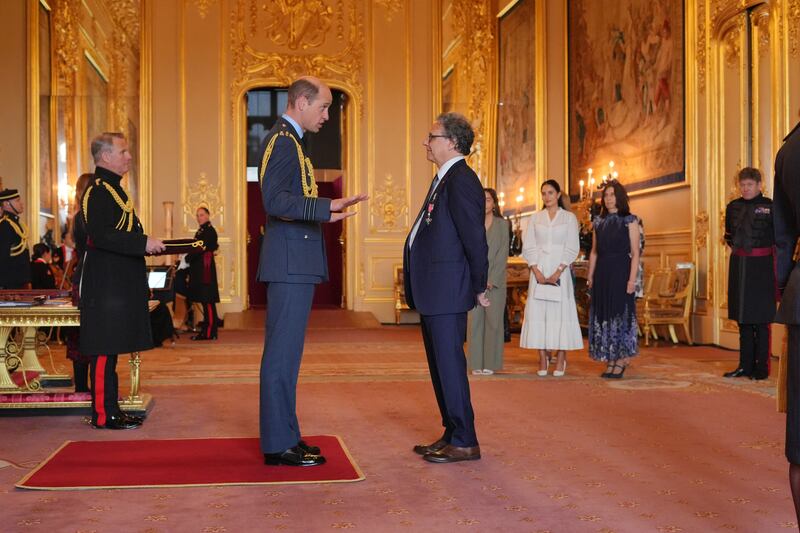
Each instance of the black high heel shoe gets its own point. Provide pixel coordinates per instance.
(618, 375)
(202, 337)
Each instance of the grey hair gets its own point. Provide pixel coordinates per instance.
(104, 143)
(304, 87)
(458, 129)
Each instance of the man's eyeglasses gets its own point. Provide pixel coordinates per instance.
(431, 137)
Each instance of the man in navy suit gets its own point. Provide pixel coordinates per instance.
(445, 268)
(292, 262)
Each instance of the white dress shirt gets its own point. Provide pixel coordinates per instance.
(439, 175)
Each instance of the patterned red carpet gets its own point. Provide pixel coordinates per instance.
(671, 448)
(180, 463)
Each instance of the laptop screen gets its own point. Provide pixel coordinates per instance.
(157, 279)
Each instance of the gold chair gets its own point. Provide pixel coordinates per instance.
(400, 304)
(669, 302)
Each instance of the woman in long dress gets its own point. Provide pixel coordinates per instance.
(613, 267)
(486, 323)
(550, 245)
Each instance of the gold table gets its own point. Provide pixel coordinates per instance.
(28, 319)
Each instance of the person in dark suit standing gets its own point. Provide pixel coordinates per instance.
(292, 263)
(113, 285)
(445, 268)
(751, 274)
(786, 204)
(15, 257)
(203, 286)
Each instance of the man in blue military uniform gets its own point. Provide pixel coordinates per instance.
(292, 262)
(15, 260)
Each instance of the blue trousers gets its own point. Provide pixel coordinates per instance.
(288, 307)
(444, 337)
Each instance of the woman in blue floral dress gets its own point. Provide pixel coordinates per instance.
(613, 266)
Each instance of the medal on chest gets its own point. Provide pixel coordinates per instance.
(429, 210)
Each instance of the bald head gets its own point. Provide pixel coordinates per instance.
(308, 102)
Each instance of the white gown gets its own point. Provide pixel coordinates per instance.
(551, 325)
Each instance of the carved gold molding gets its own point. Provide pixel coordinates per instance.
(342, 69)
(203, 6)
(701, 229)
(67, 43)
(388, 207)
(206, 194)
(390, 7)
(476, 24)
(702, 47)
(793, 17)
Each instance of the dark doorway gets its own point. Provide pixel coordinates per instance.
(264, 107)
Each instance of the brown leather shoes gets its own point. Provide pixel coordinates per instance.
(453, 454)
(422, 449)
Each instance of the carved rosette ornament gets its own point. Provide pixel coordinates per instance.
(292, 34)
(388, 207)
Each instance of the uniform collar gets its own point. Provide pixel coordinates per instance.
(294, 124)
(107, 175)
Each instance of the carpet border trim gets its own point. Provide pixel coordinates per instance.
(361, 477)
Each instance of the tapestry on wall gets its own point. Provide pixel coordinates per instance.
(516, 111)
(626, 92)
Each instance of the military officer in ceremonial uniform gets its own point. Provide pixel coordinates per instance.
(203, 287)
(292, 262)
(113, 285)
(15, 259)
(751, 275)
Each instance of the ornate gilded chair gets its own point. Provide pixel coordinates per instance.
(668, 302)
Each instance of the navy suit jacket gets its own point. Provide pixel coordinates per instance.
(447, 266)
(786, 207)
(293, 250)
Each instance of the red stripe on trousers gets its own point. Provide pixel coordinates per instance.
(100, 390)
(209, 319)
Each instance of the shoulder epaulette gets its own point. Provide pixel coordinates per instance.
(306, 168)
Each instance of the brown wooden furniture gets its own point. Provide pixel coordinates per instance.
(400, 304)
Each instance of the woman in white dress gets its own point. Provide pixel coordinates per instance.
(550, 245)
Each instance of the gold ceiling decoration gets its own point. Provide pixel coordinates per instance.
(127, 17)
(274, 57)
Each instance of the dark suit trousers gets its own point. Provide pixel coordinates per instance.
(288, 307)
(793, 396)
(105, 388)
(444, 337)
(754, 349)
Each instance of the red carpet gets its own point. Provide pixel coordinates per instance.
(182, 463)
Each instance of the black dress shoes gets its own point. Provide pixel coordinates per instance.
(310, 450)
(422, 449)
(293, 457)
(759, 376)
(120, 421)
(201, 337)
(738, 373)
(453, 454)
